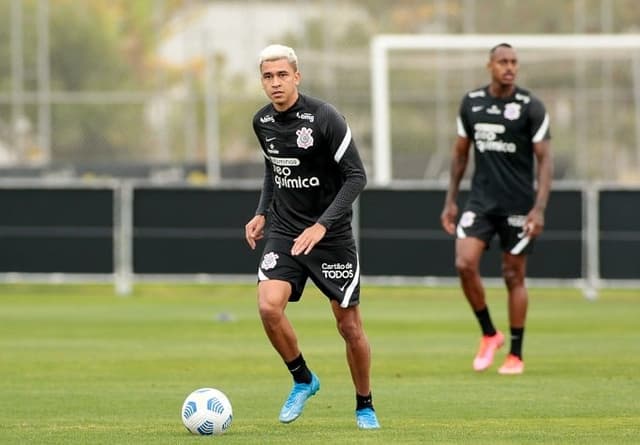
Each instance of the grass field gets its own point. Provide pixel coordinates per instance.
(79, 365)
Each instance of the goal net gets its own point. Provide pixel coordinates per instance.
(590, 85)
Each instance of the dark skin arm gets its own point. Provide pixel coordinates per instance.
(535, 219)
(459, 163)
(534, 223)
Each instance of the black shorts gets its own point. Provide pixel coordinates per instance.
(333, 268)
(508, 228)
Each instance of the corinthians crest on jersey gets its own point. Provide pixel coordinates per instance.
(512, 111)
(305, 140)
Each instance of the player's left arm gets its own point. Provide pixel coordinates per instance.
(544, 168)
(544, 174)
(345, 154)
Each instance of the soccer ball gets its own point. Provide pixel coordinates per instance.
(206, 412)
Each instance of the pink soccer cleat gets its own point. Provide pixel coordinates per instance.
(488, 347)
(512, 365)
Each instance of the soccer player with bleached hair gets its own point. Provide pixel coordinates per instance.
(313, 174)
(509, 130)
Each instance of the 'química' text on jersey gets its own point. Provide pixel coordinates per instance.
(503, 131)
(313, 172)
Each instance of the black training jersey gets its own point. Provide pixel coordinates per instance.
(313, 172)
(503, 131)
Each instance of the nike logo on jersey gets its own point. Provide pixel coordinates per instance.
(270, 139)
(476, 108)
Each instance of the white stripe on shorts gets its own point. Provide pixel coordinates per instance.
(520, 246)
(349, 292)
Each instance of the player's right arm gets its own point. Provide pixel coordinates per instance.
(254, 229)
(459, 162)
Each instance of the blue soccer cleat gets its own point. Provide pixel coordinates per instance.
(298, 396)
(366, 419)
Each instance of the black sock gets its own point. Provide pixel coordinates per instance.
(364, 401)
(298, 369)
(517, 335)
(485, 321)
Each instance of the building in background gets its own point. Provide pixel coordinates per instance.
(164, 88)
(237, 31)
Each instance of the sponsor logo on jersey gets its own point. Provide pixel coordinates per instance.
(267, 118)
(523, 98)
(337, 270)
(486, 138)
(477, 93)
(269, 261)
(306, 116)
(305, 140)
(283, 175)
(289, 162)
(493, 110)
(512, 111)
(487, 132)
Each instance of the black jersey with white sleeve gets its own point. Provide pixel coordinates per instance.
(503, 132)
(313, 171)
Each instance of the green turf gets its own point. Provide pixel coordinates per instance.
(79, 365)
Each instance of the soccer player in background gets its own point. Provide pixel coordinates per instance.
(313, 174)
(508, 127)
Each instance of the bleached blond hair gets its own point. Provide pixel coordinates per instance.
(277, 52)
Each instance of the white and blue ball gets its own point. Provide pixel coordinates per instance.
(207, 412)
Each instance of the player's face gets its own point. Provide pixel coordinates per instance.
(280, 83)
(503, 66)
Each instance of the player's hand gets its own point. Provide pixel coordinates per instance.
(534, 223)
(308, 239)
(448, 218)
(254, 230)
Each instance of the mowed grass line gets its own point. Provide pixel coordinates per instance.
(79, 365)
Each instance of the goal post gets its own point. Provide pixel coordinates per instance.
(382, 45)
